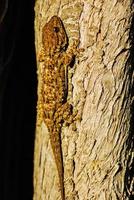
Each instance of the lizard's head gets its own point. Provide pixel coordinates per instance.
(54, 36)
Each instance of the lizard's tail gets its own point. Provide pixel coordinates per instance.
(57, 151)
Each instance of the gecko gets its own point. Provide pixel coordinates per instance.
(53, 107)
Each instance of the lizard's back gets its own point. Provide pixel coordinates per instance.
(54, 87)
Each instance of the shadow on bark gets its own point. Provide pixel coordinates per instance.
(129, 176)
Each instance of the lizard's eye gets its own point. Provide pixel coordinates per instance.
(56, 29)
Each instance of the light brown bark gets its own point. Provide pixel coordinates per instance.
(98, 154)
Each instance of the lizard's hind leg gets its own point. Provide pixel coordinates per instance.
(64, 114)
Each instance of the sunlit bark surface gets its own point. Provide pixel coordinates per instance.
(98, 152)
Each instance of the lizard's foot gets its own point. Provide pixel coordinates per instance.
(64, 114)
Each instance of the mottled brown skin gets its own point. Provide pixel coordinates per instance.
(53, 107)
(54, 36)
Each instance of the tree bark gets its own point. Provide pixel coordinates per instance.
(98, 153)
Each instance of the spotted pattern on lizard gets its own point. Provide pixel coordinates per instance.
(53, 107)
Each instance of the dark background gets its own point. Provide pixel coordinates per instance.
(17, 100)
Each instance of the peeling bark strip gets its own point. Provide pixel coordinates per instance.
(98, 153)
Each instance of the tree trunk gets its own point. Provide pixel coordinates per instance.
(98, 152)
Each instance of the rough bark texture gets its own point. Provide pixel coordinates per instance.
(98, 155)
